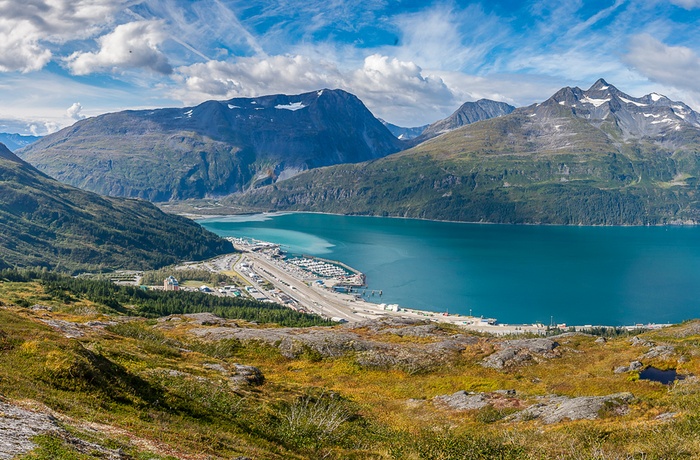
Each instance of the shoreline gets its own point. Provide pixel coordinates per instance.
(301, 290)
(197, 217)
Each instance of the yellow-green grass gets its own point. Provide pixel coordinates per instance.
(150, 381)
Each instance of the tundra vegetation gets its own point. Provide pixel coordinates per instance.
(92, 370)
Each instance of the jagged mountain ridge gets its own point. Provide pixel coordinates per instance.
(577, 158)
(215, 148)
(466, 114)
(44, 223)
(649, 116)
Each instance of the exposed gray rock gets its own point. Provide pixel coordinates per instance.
(637, 342)
(513, 352)
(18, 426)
(239, 374)
(247, 375)
(423, 330)
(205, 319)
(38, 307)
(559, 408)
(660, 351)
(634, 366)
(601, 340)
(462, 400)
(387, 322)
(216, 367)
(70, 330)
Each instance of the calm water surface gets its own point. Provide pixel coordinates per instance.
(517, 274)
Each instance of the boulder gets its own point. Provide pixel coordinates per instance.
(634, 366)
(246, 375)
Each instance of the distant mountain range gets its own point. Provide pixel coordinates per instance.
(404, 133)
(44, 223)
(213, 149)
(581, 157)
(17, 141)
(468, 113)
(596, 156)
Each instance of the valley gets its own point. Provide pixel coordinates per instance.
(256, 354)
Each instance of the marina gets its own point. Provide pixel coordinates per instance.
(274, 278)
(519, 274)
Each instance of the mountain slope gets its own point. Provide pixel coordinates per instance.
(44, 223)
(581, 157)
(17, 141)
(404, 133)
(468, 113)
(215, 148)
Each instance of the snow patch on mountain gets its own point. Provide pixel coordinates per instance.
(628, 101)
(595, 102)
(291, 106)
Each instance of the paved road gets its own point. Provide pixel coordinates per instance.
(312, 298)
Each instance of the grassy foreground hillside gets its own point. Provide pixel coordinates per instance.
(82, 377)
(44, 223)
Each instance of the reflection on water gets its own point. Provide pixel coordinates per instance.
(657, 375)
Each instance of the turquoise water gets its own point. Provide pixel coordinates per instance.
(517, 274)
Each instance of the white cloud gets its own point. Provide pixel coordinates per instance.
(74, 111)
(27, 29)
(450, 39)
(687, 4)
(254, 77)
(391, 88)
(20, 49)
(389, 85)
(131, 45)
(677, 66)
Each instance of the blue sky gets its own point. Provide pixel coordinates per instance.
(411, 62)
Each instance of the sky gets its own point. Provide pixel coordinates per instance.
(411, 62)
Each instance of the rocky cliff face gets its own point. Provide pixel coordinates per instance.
(215, 148)
(605, 106)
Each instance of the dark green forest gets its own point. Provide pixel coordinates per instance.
(153, 304)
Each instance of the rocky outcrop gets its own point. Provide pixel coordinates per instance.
(246, 375)
(365, 340)
(660, 352)
(239, 374)
(462, 400)
(515, 352)
(18, 426)
(634, 366)
(555, 409)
